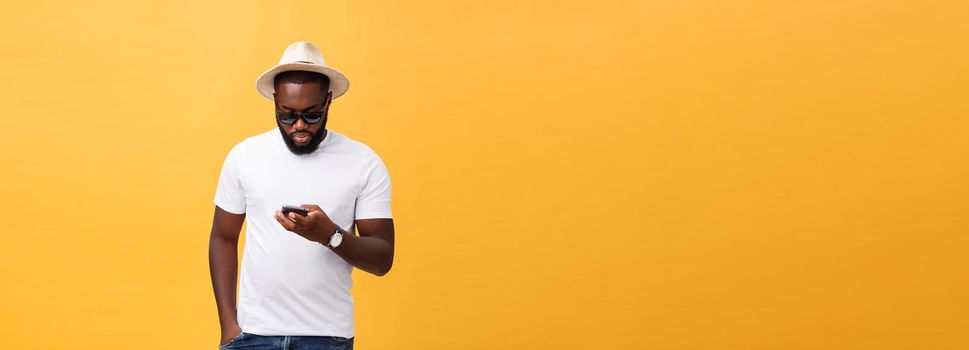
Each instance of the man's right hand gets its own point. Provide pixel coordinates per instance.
(229, 333)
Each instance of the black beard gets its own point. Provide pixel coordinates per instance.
(310, 147)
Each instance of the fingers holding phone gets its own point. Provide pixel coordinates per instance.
(307, 220)
(294, 209)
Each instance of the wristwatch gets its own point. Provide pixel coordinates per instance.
(335, 239)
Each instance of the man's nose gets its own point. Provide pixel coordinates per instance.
(300, 124)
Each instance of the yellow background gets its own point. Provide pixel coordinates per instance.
(597, 175)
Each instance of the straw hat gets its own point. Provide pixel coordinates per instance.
(305, 56)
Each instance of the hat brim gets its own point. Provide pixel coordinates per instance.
(339, 84)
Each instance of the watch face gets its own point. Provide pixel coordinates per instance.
(336, 239)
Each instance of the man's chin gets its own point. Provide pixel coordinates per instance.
(301, 148)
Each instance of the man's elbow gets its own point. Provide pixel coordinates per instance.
(383, 270)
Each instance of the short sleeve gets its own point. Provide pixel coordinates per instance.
(373, 202)
(229, 194)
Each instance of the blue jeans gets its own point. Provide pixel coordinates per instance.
(249, 341)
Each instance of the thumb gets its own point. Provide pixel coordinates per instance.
(299, 219)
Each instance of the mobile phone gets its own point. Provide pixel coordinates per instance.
(294, 209)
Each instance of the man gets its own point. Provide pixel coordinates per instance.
(295, 282)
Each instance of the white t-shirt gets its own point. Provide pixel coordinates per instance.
(290, 285)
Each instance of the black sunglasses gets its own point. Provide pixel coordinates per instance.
(289, 118)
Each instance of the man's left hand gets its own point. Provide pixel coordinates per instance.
(315, 226)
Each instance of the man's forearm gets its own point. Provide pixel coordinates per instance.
(370, 254)
(223, 263)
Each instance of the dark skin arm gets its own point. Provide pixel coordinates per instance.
(372, 251)
(223, 265)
